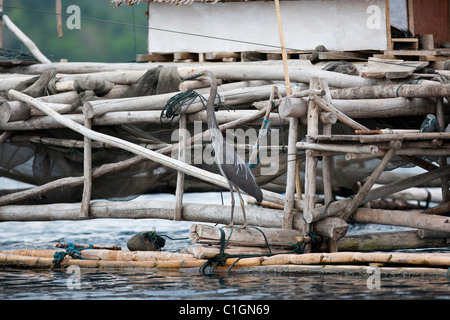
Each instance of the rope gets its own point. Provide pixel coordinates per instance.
(173, 110)
(71, 251)
(222, 257)
(174, 104)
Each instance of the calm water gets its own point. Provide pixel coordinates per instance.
(174, 285)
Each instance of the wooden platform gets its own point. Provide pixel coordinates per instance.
(404, 264)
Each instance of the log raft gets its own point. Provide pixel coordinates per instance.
(348, 102)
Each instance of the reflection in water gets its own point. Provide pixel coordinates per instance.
(173, 285)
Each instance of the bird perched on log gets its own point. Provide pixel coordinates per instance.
(231, 165)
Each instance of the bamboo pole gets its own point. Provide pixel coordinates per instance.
(25, 40)
(283, 48)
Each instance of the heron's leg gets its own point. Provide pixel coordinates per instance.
(244, 226)
(231, 224)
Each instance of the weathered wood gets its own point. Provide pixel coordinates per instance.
(340, 148)
(25, 40)
(251, 237)
(88, 246)
(412, 219)
(239, 73)
(207, 213)
(386, 241)
(290, 179)
(332, 228)
(179, 191)
(393, 91)
(441, 209)
(87, 171)
(338, 206)
(311, 161)
(362, 193)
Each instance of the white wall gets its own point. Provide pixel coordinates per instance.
(337, 24)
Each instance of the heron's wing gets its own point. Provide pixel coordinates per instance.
(240, 174)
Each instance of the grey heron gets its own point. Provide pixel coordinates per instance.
(232, 167)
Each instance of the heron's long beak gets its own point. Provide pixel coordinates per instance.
(194, 76)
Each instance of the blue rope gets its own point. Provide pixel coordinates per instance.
(252, 166)
(71, 251)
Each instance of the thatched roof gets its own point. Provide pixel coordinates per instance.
(174, 2)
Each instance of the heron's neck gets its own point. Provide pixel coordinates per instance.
(212, 121)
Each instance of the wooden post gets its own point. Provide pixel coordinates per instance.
(87, 163)
(390, 45)
(180, 175)
(59, 18)
(442, 160)
(283, 49)
(326, 164)
(291, 171)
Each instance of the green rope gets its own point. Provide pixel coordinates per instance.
(222, 257)
(173, 110)
(59, 256)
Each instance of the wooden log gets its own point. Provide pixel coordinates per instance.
(157, 102)
(88, 246)
(387, 241)
(25, 40)
(208, 252)
(412, 219)
(332, 228)
(13, 260)
(426, 234)
(239, 73)
(251, 237)
(393, 91)
(341, 148)
(207, 213)
(367, 108)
